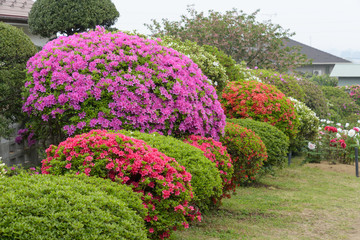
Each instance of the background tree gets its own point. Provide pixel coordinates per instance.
(15, 50)
(238, 35)
(48, 17)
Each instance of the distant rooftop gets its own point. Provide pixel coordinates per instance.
(317, 56)
(346, 70)
(15, 10)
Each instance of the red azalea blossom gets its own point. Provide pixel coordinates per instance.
(163, 183)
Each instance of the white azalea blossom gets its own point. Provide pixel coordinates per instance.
(339, 130)
(351, 133)
(338, 124)
(346, 125)
(311, 146)
(338, 135)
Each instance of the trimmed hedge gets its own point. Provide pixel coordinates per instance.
(163, 182)
(69, 207)
(276, 142)
(206, 181)
(247, 151)
(315, 98)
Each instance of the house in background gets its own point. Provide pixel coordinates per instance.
(347, 74)
(16, 12)
(322, 62)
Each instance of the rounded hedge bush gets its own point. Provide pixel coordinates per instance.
(69, 207)
(116, 81)
(286, 83)
(165, 184)
(217, 153)
(276, 142)
(309, 126)
(16, 49)
(207, 62)
(314, 98)
(247, 151)
(261, 102)
(233, 70)
(205, 180)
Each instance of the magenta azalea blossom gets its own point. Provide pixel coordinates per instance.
(100, 79)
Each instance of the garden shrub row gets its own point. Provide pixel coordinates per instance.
(96, 83)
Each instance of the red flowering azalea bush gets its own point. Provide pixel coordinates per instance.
(247, 151)
(107, 80)
(217, 153)
(165, 184)
(261, 102)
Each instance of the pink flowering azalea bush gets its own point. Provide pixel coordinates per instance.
(165, 184)
(218, 154)
(107, 80)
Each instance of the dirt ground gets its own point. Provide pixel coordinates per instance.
(340, 168)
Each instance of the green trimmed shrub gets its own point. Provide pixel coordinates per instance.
(163, 182)
(286, 83)
(341, 105)
(247, 151)
(276, 142)
(69, 207)
(261, 102)
(314, 98)
(206, 181)
(207, 62)
(324, 80)
(217, 153)
(233, 70)
(16, 49)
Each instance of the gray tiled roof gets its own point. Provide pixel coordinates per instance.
(316, 55)
(15, 9)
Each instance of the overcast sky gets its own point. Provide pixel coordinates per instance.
(329, 25)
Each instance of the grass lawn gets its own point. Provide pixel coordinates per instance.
(300, 202)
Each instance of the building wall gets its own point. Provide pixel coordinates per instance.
(37, 40)
(324, 68)
(349, 81)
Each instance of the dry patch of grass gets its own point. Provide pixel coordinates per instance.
(300, 202)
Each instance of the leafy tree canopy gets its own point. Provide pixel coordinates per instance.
(15, 50)
(48, 17)
(238, 35)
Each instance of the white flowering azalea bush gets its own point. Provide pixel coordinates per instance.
(335, 142)
(308, 128)
(2, 168)
(207, 62)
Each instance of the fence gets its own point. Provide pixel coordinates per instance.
(17, 154)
